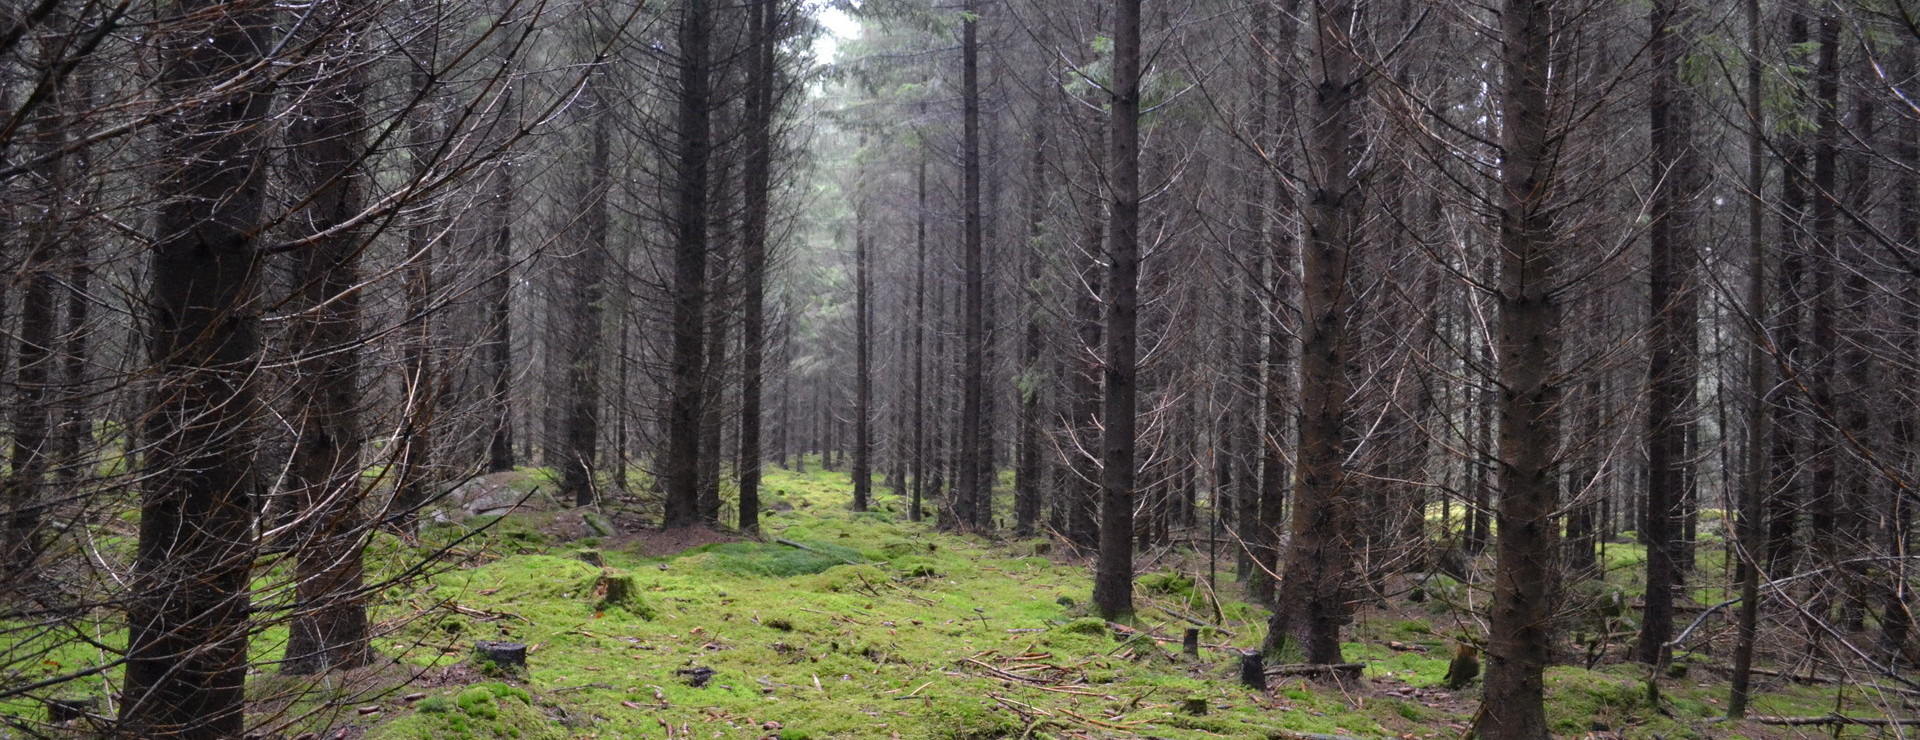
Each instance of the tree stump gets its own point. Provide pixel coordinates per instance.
(510, 655)
(617, 590)
(1253, 670)
(593, 558)
(1194, 705)
(1190, 642)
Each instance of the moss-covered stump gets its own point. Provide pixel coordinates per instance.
(504, 655)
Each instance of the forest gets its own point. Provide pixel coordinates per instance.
(959, 369)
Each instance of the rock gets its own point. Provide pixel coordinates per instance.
(592, 557)
(599, 523)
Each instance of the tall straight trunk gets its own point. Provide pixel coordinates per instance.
(898, 455)
(1275, 99)
(1084, 385)
(586, 309)
(757, 183)
(863, 367)
(712, 424)
(915, 510)
(790, 445)
(75, 444)
(1674, 311)
(186, 659)
(1480, 516)
(1529, 325)
(1315, 589)
(691, 158)
(420, 379)
(329, 629)
(1898, 625)
(1753, 492)
(1027, 471)
(940, 447)
(970, 493)
(1113, 577)
(1824, 504)
(499, 298)
(1785, 454)
(23, 497)
(1856, 403)
(719, 318)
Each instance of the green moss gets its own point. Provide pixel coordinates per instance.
(478, 702)
(756, 559)
(489, 711)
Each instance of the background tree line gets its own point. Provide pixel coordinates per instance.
(1411, 288)
(281, 278)
(1346, 294)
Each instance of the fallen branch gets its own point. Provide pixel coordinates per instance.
(1341, 670)
(1291, 735)
(791, 543)
(1817, 679)
(1835, 719)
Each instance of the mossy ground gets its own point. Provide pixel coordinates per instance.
(881, 628)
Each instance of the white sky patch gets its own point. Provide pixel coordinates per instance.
(839, 26)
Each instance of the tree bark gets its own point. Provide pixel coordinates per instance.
(499, 298)
(586, 309)
(1113, 578)
(420, 382)
(757, 182)
(189, 603)
(691, 155)
(971, 491)
(1529, 341)
(329, 629)
(1670, 338)
(1753, 493)
(1027, 470)
(863, 367)
(1315, 588)
(29, 458)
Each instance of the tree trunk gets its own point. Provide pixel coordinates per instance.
(1670, 338)
(499, 298)
(24, 498)
(1027, 471)
(915, 510)
(186, 659)
(863, 367)
(970, 493)
(1315, 590)
(691, 155)
(420, 384)
(758, 180)
(1824, 504)
(586, 308)
(1785, 456)
(1518, 648)
(1113, 578)
(329, 630)
(1753, 492)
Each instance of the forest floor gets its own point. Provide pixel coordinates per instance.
(879, 628)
